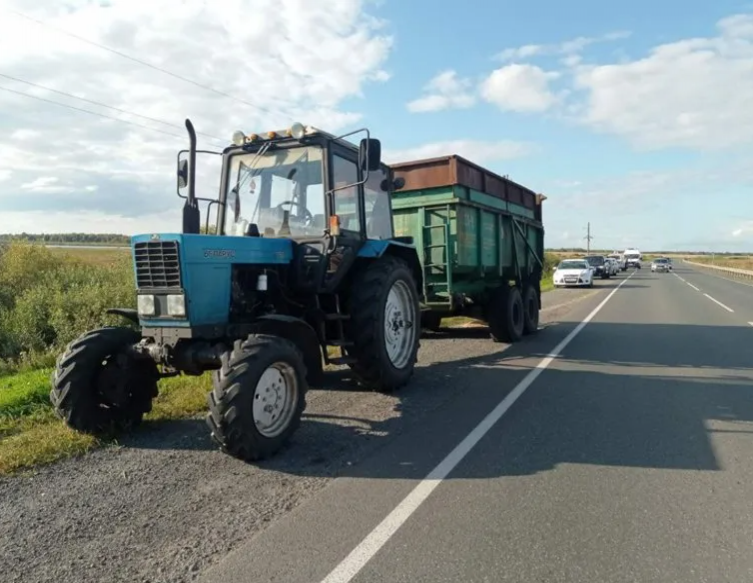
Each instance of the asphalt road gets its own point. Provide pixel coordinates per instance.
(732, 295)
(624, 460)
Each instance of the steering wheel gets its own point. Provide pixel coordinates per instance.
(308, 217)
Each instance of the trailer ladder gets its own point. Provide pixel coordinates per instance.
(440, 287)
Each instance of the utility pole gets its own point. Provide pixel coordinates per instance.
(588, 238)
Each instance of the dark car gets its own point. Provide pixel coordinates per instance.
(599, 263)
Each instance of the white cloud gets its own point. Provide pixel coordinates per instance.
(569, 47)
(289, 59)
(695, 93)
(481, 152)
(523, 88)
(742, 229)
(445, 91)
(657, 209)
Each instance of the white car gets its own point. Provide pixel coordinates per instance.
(614, 267)
(619, 261)
(660, 264)
(573, 272)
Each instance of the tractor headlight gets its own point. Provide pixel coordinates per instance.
(297, 130)
(239, 138)
(176, 305)
(145, 304)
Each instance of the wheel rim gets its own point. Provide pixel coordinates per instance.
(399, 324)
(275, 398)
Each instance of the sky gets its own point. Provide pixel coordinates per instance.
(634, 117)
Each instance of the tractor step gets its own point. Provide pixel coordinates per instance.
(343, 360)
(341, 343)
(335, 317)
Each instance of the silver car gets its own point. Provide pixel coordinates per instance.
(660, 264)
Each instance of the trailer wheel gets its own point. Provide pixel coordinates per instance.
(258, 397)
(531, 310)
(98, 387)
(385, 325)
(506, 315)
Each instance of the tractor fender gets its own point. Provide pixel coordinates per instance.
(402, 249)
(300, 333)
(127, 313)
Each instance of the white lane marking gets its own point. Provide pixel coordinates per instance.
(686, 281)
(719, 303)
(377, 538)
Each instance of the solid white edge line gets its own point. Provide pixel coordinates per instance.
(691, 285)
(377, 538)
(719, 303)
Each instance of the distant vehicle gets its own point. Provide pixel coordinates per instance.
(619, 260)
(633, 258)
(660, 264)
(600, 266)
(614, 265)
(573, 272)
(669, 260)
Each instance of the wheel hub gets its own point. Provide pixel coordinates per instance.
(399, 329)
(274, 399)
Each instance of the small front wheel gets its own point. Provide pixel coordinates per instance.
(258, 397)
(99, 387)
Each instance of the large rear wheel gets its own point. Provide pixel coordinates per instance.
(385, 326)
(98, 386)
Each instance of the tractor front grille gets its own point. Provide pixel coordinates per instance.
(157, 265)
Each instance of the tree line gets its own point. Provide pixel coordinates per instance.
(69, 238)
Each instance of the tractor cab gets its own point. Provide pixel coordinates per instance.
(330, 199)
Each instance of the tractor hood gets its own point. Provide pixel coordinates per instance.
(199, 267)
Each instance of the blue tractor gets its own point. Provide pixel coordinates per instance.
(300, 269)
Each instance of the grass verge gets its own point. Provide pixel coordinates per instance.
(31, 434)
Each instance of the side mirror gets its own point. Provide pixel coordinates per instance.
(182, 173)
(370, 154)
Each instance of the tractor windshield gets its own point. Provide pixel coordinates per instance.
(280, 191)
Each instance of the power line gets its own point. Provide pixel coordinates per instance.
(104, 105)
(147, 64)
(89, 112)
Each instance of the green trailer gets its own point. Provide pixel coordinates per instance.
(480, 240)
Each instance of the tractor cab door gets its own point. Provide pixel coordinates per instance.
(323, 262)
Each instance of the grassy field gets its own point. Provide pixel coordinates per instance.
(103, 256)
(733, 261)
(47, 298)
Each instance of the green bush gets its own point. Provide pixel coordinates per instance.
(550, 262)
(47, 300)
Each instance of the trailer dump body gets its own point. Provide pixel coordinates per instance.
(478, 235)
